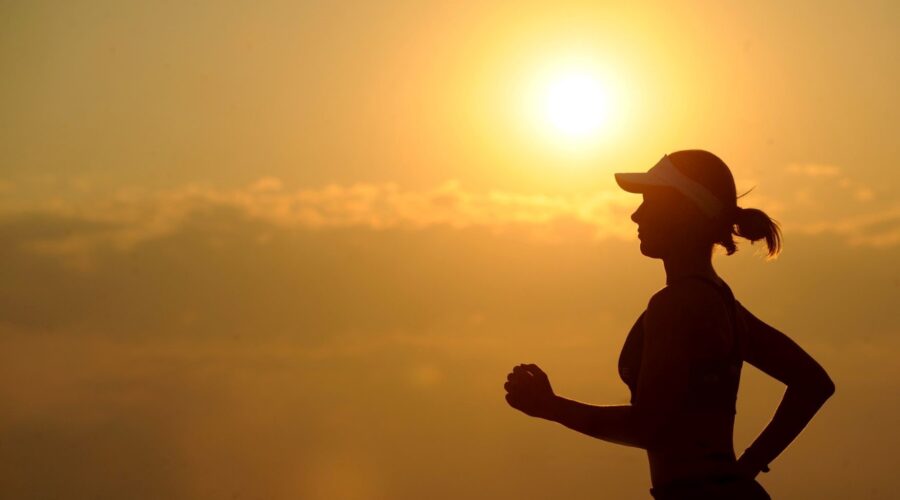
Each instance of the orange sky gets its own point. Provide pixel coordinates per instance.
(288, 250)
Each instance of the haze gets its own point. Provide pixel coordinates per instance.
(273, 250)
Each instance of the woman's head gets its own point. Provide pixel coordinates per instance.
(690, 204)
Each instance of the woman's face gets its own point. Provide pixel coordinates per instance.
(668, 223)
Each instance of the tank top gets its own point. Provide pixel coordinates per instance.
(713, 383)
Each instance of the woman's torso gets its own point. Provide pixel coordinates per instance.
(701, 433)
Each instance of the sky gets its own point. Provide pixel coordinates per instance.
(291, 249)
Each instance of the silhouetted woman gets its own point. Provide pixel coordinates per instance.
(682, 358)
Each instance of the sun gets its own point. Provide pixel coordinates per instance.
(575, 107)
(576, 104)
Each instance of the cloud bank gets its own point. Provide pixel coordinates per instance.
(809, 199)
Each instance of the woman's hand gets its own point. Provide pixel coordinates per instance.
(528, 390)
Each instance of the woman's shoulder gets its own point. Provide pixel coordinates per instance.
(687, 294)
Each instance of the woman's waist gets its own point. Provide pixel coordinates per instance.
(699, 445)
(692, 432)
(687, 465)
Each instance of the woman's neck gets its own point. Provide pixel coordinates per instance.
(680, 266)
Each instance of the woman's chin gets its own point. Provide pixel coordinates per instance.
(649, 251)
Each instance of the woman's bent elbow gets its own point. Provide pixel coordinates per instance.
(822, 388)
(828, 387)
(814, 389)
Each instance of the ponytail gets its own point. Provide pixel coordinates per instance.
(754, 225)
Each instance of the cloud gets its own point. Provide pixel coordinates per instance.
(878, 229)
(121, 218)
(207, 262)
(821, 199)
(813, 169)
(835, 204)
(130, 216)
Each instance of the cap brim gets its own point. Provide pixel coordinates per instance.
(633, 182)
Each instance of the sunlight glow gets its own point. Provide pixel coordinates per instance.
(577, 105)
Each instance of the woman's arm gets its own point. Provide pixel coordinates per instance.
(808, 387)
(528, 390)
(619, 424)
